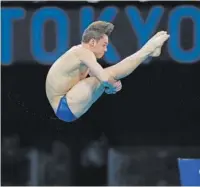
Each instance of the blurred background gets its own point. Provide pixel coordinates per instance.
(132, 138)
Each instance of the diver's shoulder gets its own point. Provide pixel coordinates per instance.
(80, 51)
(74, 49)
(80, 48)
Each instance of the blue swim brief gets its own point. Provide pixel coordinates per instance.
(63, 111)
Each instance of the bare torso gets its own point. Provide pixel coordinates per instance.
(66, 72)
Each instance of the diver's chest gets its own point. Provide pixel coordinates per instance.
(83, 71)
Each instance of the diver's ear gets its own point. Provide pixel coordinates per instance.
(92, 42)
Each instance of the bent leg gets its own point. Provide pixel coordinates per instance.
(81, 97)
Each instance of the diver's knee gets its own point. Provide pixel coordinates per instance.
(110, 72)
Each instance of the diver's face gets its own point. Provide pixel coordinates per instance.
(100, 47)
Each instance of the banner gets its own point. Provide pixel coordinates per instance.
(42, 33)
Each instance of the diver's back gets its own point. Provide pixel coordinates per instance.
(63, 75)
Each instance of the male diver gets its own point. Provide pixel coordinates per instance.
(69, 89)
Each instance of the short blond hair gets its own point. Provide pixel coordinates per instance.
(96, 30)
